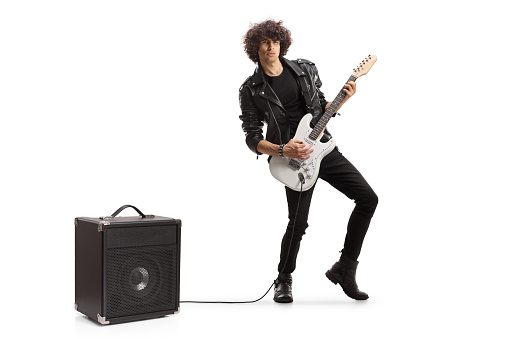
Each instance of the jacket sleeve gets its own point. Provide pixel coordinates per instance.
(252, 120)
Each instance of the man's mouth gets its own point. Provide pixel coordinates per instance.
(271, 54)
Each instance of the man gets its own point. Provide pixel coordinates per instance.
(273, 95)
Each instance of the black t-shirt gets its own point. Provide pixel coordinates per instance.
(287, 90)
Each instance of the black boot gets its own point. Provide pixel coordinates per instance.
(283, 288)
(343, 273)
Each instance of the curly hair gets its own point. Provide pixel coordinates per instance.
(266, 29)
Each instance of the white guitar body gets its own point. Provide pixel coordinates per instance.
(287, 170)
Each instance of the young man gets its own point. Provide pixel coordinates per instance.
(273, 95)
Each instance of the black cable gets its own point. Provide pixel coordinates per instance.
(228, 302)
(301, 179)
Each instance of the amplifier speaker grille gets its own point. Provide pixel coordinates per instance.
(140, 280)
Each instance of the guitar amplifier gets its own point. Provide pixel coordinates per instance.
(127, 268)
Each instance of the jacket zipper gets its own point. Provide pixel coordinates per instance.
(278, 129)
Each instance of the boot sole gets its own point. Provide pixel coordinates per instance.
(284, 301)
(335, 281)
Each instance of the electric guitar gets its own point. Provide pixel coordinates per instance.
(301, 174)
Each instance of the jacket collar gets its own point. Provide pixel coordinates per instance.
(258, 78)
(293, 66)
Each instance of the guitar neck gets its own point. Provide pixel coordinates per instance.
(329, 113)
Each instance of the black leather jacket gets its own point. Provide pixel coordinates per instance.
(259, 104)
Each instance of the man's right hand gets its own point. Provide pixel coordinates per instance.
(297, 149)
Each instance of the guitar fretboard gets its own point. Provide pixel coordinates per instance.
(320, 126)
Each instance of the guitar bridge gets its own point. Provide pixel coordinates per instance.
(295, 164)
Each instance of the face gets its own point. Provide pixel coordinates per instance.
(268, 50)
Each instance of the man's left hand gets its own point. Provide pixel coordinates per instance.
(350, 88)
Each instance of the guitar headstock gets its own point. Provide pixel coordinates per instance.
(364, 66)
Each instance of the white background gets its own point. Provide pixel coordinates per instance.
(106, 103)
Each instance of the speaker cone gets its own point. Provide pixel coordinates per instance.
(138, 279)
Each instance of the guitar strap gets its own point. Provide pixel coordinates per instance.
(305, 93)
(307, 98)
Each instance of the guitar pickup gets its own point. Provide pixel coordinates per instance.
(295, 164)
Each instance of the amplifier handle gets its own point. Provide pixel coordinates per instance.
(123, 208)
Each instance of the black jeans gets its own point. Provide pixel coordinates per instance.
(342, 175)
